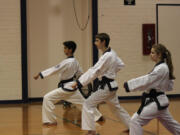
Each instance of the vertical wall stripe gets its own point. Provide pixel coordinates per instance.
(24, 51)
(94, 28)
(94, 32)
(157, 32)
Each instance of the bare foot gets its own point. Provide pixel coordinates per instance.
(50, 124)
(101, 119)
(126, 131)
(91, 133)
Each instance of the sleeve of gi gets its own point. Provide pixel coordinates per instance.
(170, 85)
(147, 81)
(120, 64)
(79, 72)
(52, 70)
(98, 69)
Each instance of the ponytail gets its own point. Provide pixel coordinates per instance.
(169, 63)
(165, 55)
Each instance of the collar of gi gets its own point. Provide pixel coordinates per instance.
(159, 63)
(70, 57)
(156, 65)
(108, 50)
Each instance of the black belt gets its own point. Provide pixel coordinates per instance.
(107, 81)
(61, 84)
(152, 98)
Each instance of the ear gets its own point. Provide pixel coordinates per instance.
(160, 56)
(70, 50)
(103, 42)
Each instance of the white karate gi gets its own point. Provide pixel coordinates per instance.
(108, 65)
(158, 79)
(67, 69)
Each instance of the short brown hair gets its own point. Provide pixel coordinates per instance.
(104, 37)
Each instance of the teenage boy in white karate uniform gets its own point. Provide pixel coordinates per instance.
(105, 69)
(68, 69)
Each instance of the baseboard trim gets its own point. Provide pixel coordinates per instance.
(139, 97)
(40, 99)
(11, 101)
(128, 97)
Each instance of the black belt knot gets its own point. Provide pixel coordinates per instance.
(107, 81)
(61, 84)
(152, 98)
(104, 81)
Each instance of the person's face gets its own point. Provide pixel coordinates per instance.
(67, 51)
(99, 44)
(154, 56)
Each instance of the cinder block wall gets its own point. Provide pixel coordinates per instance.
(124, 24)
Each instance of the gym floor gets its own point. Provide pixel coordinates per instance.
(25, 119)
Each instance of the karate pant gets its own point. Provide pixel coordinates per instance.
(49, 100)
(150, 112)
(89, 106)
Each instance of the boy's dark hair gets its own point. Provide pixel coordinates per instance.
(70, 45)
(104, 37)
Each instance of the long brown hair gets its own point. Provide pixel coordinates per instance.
(166, 56)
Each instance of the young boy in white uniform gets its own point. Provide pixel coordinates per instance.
(68, 69)
(106, 69)
(154, 102)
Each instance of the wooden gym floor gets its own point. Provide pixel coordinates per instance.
(25, 119)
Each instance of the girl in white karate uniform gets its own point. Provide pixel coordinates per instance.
(154, 102)
(106, 69)
(67, 69)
